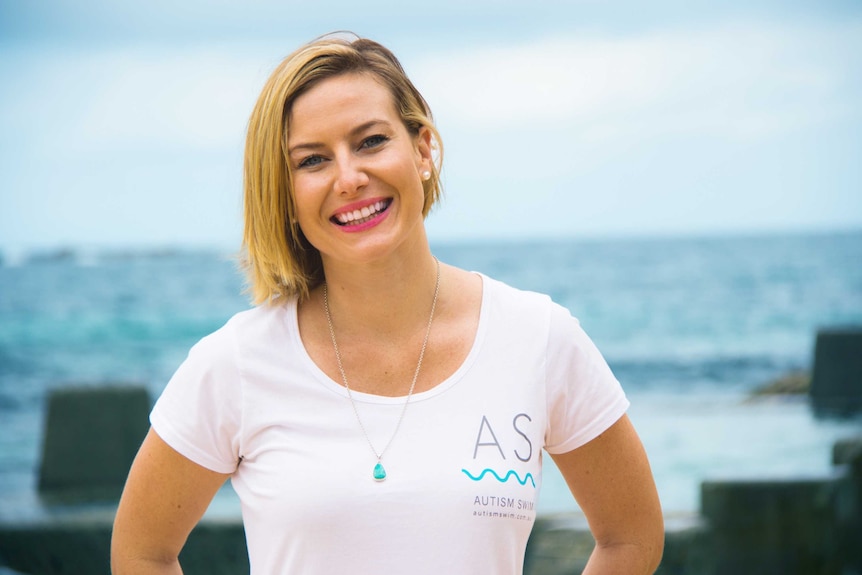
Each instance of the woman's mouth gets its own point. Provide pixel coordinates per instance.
(363, 215)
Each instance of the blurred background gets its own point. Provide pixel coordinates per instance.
(684, 176)
(122, 124)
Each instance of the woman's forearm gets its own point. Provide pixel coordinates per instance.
(135, 566)
(623, 559)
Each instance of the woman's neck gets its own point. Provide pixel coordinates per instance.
(385, 298)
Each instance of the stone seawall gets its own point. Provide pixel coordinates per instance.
(791, 527)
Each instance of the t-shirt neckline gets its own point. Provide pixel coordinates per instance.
(446, 384)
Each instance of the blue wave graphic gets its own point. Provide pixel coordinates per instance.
(511, 472)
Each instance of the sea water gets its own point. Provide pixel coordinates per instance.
(690, 326)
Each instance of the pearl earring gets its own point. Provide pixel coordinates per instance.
(426, 175)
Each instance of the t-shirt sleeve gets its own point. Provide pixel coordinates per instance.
(199, 412)
(584, 397)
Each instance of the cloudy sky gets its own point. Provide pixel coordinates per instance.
(122, 124)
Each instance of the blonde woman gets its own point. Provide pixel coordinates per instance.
(378, 411)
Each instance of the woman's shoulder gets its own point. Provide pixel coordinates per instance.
(527, 308)
(513, 298)
(258, 323)
(262, 315)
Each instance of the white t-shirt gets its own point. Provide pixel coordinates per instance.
(463, 471)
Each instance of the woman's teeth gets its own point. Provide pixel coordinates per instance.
(362, 215)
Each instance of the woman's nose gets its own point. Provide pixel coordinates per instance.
(351, 176)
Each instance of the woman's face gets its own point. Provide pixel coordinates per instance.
(357, 171)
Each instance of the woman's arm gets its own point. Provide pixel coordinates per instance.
(165, 496)
(611, 479)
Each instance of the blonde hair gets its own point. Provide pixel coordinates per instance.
(278, 259)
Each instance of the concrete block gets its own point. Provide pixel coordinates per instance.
(836, 381)
(559, 545)
(847, 451)
(847, 454)
(80, 544)
(63, 547)
(216, 547)
(686, 540)
(765, 527)
(91, 436)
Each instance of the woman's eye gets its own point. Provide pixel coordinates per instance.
(373, 141)
(310, 162)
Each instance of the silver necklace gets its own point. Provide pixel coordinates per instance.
(379, 472)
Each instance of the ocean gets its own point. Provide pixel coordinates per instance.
(690, 326)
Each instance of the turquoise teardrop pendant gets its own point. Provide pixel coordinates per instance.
(379, 472)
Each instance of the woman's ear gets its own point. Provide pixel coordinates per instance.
(425, 160)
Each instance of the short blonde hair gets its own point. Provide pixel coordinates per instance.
(278, 259)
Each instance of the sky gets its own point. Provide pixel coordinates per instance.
(122, 124)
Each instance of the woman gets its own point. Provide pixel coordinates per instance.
(378, 411)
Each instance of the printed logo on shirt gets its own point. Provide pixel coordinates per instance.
(511, 473)
(493, 503)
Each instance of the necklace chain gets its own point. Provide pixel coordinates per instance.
(379, 472)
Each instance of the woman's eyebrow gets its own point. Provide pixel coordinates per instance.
(357, 130)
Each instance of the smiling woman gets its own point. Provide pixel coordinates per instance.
(289, 264)
(352, 174)
(379, 410)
